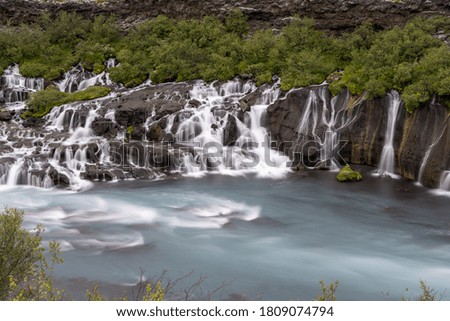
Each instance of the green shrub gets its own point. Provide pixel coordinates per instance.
(409, 59)
(33, 69)
(236, 22)
(20, 250)
(328, 291)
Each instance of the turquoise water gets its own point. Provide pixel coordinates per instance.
(267, 239)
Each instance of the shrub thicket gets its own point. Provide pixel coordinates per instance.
(410, 59)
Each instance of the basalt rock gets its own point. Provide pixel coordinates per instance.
(5, 115)
(155, 101)
(335, 15)
(104, 127)
(230, 133)
(421, 139)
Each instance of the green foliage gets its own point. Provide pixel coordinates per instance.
(431, 75)
(328, 291)
(154, 293)
(236, 22)
(306, 68)
(94, 294)
(20, 250)
(407, 59)
(38, 285)
(33, 69)
(427, 293)
(42, 102)
(25, 272)
(346, 174)
(410, 59)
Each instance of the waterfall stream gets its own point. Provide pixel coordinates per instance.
(15, 88)
(219, 128)
(225, 139)
(320, 125)
(387, 160)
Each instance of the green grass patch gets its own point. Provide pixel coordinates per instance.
(42, 102)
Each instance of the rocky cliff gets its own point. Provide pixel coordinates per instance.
(421, 139)
(335, 15)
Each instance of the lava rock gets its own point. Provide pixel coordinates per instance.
(5, 115)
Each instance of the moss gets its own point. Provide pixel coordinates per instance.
(346, 174)
(42, 102)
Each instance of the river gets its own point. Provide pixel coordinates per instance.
(266, 239)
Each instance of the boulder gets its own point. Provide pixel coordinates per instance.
(230, 132)
(104, 127)
(5, 115)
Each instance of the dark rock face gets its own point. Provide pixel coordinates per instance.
(155, 101)
(421, 139)
(230, 132)
(104, 127)
(5, 115)
(336, 15)
(425, 131)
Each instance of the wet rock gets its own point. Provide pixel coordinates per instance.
(168, 138)
(33, 122)
(7, 161)
(427, 130)
(138, 133)
(169, 107)
(5, 149)
(91, 172)
(104, 127)
(58, 179)
(194, 103)
(230, 132)
(249, 100)
(133, 109)
(142, 173)
(155, 133)
(114, 174)
(5, 115)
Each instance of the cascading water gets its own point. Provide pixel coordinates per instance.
(225, 139)
(427, 155)
(444, 184)
(15, 88)
(319, 127)
(217, 134)
(387, 160)
(78, 79)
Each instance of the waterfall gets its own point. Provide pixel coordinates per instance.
(428, 153)
(226, 140)
(78, 79)
(16, 88)
(387, 160)
(445, 181)
(320, 124)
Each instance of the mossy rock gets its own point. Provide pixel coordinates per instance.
(42, 102)
(346, 174)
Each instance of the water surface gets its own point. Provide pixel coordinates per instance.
(270, 239)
